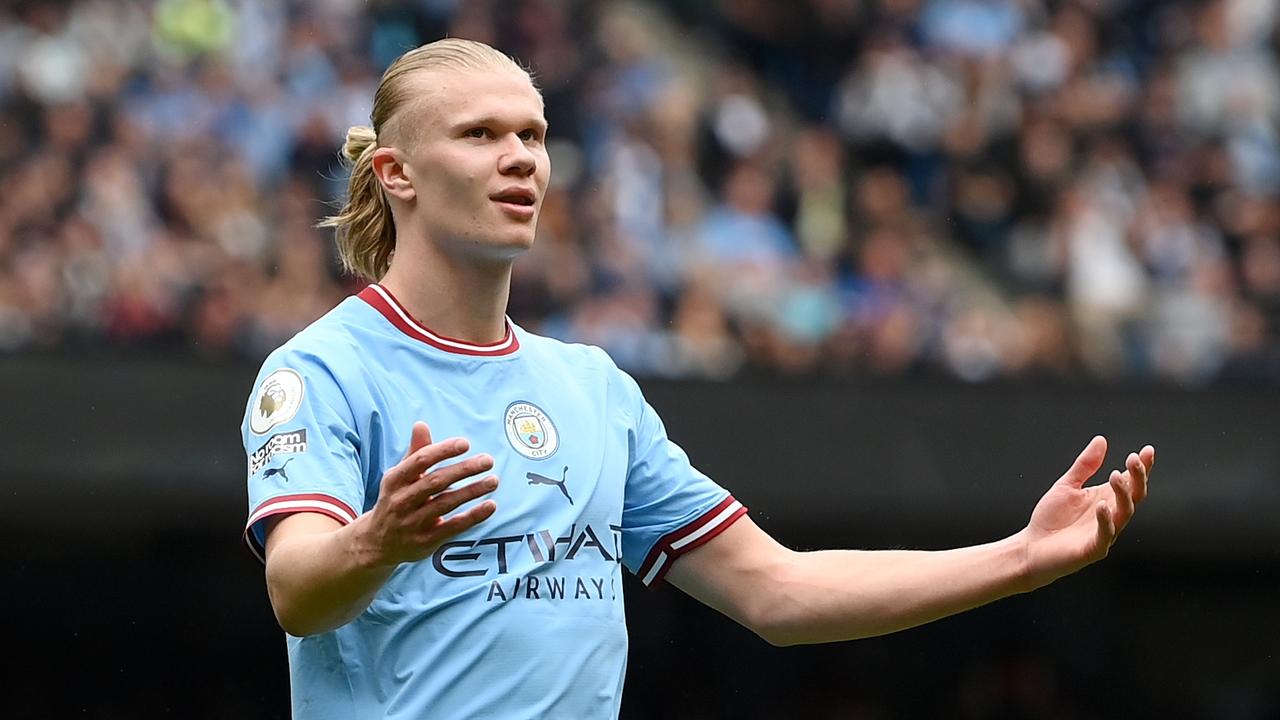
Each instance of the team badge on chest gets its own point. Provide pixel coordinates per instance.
(530, 431)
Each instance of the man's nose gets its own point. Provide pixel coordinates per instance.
(517, 159)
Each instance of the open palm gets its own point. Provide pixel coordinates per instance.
(1074, 525)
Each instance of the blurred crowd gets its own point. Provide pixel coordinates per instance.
(974, 188)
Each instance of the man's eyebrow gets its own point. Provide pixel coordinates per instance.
(490, 120)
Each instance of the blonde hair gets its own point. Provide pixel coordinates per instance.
(366, 233)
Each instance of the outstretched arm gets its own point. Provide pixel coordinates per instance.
(792, 597)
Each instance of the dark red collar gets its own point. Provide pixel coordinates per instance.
(384, 302)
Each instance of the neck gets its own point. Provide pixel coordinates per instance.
(460, 298)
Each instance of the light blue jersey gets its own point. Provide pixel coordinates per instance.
(521, 616)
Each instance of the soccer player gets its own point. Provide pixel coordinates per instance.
(410, 582)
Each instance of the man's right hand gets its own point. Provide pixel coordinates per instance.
(411, 518)
(321, 574)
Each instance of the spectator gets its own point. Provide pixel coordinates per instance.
(981, 188)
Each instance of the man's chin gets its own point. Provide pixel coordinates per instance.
(505, 247)
(488, 243)
(517, 242)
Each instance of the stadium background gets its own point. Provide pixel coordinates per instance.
(883, 265)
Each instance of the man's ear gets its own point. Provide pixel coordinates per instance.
(389, 168)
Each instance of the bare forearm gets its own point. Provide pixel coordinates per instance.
(791, 598)
(845, 594)
(320, 581)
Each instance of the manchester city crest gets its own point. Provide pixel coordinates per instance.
(530, 431)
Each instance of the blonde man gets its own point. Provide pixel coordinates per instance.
(410, 583)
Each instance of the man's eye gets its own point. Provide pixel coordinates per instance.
(478, 132)
(529, 135)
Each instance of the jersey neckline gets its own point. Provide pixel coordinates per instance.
(384, 302)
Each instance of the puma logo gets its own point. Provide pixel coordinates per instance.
(536, 479)
(278, 471)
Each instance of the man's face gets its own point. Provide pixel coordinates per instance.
(475, 152)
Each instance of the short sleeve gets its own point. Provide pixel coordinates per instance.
(302, 445)
(669, 506)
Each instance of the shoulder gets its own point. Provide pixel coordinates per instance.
(325, 351)
(586, 362)
(541, 348)
(318, 367)
(335, 335)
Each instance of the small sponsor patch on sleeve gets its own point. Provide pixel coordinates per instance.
(277, 400)
(285, 443)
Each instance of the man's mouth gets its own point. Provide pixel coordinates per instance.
(514, 197)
